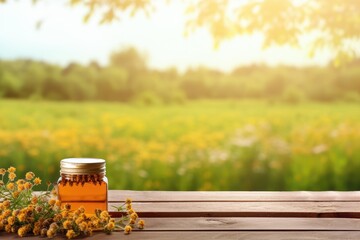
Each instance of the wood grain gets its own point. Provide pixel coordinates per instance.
(250, 235)
(258, 224)
(238, 196)
(203, 235)
(239, 215)
(247, 209)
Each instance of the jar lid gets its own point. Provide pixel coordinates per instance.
(82, 166)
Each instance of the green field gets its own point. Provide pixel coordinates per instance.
(203, 145)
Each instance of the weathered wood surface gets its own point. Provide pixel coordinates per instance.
(226, 196)
(240, 215)
(247, 209)
(246, 224)
(226, 235)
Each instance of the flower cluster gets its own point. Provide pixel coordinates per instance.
(129, 219)
(23, 212)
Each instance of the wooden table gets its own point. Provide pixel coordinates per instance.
(241, 215)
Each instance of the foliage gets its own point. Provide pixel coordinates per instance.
(202, 145)
(23, 212)
(332, 24)
(127, 78)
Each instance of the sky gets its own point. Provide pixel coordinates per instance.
(64, 38)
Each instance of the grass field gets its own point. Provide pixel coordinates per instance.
(217, 145)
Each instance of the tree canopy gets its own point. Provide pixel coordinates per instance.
(331, 24)
(127, 78)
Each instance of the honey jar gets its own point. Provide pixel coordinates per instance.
(83, 182)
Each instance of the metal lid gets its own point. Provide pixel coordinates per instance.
(82, 166)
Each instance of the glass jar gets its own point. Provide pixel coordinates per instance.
(83, 182)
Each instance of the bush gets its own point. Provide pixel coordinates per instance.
(147, 98)
(352, 96)
(293, 95)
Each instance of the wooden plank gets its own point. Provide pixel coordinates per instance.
(259, 224)
(238, 235)
(242, 235)
(246, 209)
(228, 235)
(236, 196)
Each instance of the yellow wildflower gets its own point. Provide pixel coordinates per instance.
(34, 200)
(30, 208)
(57, 217)
(20, 181)
(29, 218)
(7, 213)
(21, 217)
(39, 209)
(67, 225)
(88, 232)
(65, 214)
(36, 230)
(52, 202)
(110, 226)
(81, 209)
(70, 234)
(12, 176)
(16, 194)
(51, 233)
(58, 203)
(11, 220)
(54, 226)
(130, 211)
(104, 215)
(67, 206)
(77, 212)
(27, 185)
(29, 176)
(95, 222)
(83, 226)
(128, 201)
(127, 229)
(141, 224)
(128, 206)
(37, 226)
(8, 228)
(37, 181)
(6, 204)
(43, 232)
(134, 216)
(10, 186)
(15, 212)
(21, 187)
(79, 220)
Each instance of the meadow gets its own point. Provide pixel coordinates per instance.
(198, 145)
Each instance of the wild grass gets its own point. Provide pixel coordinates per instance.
(202, 145)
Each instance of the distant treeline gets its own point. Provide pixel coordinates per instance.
(128, 78)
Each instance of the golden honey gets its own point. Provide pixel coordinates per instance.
(83, 183)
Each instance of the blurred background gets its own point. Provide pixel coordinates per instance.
(184, 95)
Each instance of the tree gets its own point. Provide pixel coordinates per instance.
(331, 24)
(130, 59)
